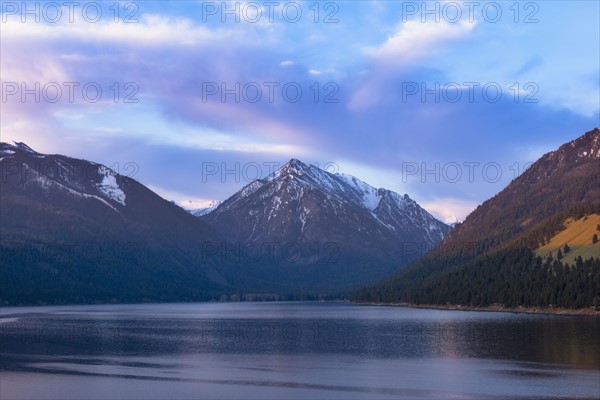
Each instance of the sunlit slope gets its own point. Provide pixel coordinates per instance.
(578, 236)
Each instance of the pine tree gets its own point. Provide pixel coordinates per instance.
(559, 255)
(594, 239)
(566, 249)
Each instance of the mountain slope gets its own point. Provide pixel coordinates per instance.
(578, 236)
(476, 264)
(558, 181)
(330, 231)
(74, 231)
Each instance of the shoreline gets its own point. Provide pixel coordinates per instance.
(587, 312)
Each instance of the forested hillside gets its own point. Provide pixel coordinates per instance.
(490, 258)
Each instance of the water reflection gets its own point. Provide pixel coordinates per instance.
(337, 348)
(570, 341)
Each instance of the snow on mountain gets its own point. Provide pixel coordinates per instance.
(453, 221)
(370, 196)
(190, 205)
(45, 182)
(58, 172)
(251, 188)
(297, 196)
(109, 186)
(341, 186)
(197, 207)
(205, 210)
(349, 189)
(23, 147)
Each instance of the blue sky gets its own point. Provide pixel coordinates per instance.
(447, 106)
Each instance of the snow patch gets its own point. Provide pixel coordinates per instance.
(250, 188)
(22, 146)
(368, 195)
(303, 216)
(109, 186)
(46, 183)
(205, 208)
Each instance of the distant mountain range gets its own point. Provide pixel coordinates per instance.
(76, 231)
(491, 257)
(198, 208)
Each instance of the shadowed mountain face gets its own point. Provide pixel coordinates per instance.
(558, 181)
(77, 231)
(489, 257)
(313, 220)
(74, 231)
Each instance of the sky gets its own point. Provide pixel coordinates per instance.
(445, 101)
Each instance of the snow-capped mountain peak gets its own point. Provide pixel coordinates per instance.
(198, 208)
(299, 200)
(22, 146)
(294, 166)
(8, 149)
(60, 173)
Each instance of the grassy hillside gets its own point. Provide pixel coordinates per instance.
(578, 236)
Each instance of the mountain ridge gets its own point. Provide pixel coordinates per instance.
(498, 238)
(302, 206)
(343, 187)
(73, 229)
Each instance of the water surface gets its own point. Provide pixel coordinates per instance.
(293, 350)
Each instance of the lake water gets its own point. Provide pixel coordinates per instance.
(293, 350)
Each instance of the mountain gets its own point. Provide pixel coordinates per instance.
(211, 205)
(454, 223)
(323, 231)
(490, 257)
(576, 240)
(197, 208)
(76, 231)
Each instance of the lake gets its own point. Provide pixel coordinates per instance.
(293, 350)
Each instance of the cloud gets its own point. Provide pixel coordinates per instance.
(412, 42)
(415, 39)
(171, 59)
(151, 30)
